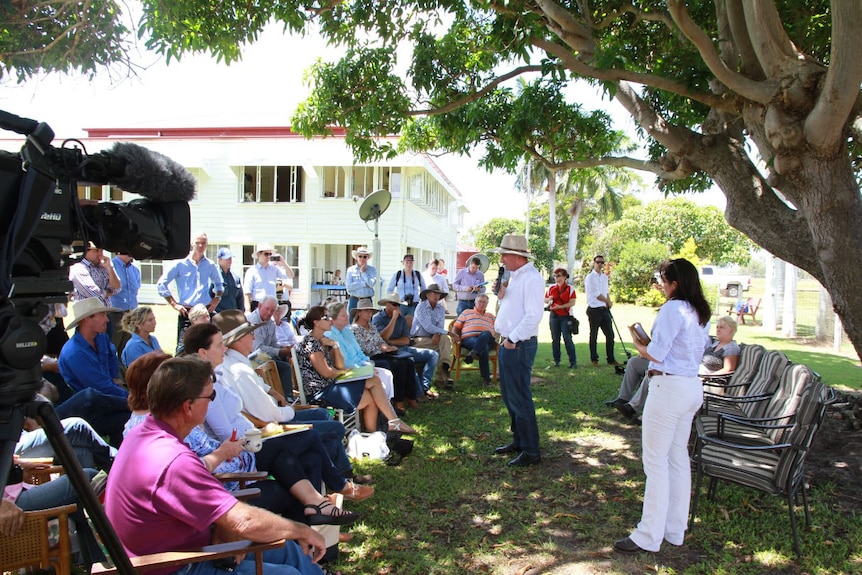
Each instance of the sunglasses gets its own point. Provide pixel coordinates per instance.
(326, 318)
(362, 257)
(601, 263)
(266, 253)
(211, 396)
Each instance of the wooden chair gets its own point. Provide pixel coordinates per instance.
(31, 547)
(40, 476)
(459, 353)
(751, 304)
(350, 420)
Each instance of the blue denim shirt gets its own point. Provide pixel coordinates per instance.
(82, 366)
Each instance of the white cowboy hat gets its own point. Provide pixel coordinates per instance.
(264, 247)
(514, 244)
(84, 308)
(363, 251)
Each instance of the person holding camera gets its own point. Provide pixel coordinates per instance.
(361, 278)
(560, 298)
(408, 283)
(469, 283)
(262, 278)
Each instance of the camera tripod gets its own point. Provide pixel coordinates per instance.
(11, 424)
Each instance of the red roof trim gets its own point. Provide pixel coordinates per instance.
(191, 133)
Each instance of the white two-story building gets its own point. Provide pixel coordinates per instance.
(268, 184)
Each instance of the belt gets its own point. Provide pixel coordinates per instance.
(655, 372)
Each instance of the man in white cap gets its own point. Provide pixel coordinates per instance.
(360, 278)
(429, 331)
(518, 323)
(193, 276)
(232, 297)
(262, 278)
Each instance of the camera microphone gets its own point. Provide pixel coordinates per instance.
(141, 171)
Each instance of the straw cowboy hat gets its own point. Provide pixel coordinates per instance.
(433, 288)
(264, 247)
(363, 251)
(514, 244)
(233, 325)
(390, 298)
(84, 308)
(363, 303)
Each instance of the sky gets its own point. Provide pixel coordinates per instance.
(263, 89)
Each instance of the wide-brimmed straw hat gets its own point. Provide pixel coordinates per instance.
(363, 251)
(433, 288)
(84, 308)
(233, 324)
(391, 298)
(363, 303)
(264, 247)
(514, 244)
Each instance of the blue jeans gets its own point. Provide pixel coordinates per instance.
(331, 433)
(107, 414)
(481, 345)
(88, 447)
(289, 560)
(428, 358)
(465, 304)
(516, 366)
(560, 326)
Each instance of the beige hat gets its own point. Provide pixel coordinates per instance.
(233, 325)
(363, 251)
(390, 298)
(514, 244)
(81, 249)
(264, 247)
(433, 288)
(363, 303)
(84, 308)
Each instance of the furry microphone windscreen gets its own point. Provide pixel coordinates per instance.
(153, 175)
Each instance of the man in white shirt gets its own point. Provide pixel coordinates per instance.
(262, 278)
(360, 279)
(599, 311)
(518, 324)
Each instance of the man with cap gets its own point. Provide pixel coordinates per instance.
(266, 338)
(195, 277)
(394, 330)
(262, 278)
(429, 331)
(517, 322)
(89, 365)
(408, 283)
(469, 282)
(232, 297)
(127, 298)
(360, 278)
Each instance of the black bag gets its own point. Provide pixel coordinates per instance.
(574, 324)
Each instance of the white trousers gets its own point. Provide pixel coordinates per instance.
(670, 407)
(386, 379)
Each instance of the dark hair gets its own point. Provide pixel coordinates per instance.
(598, 256)
(688, 287)
(313, 314)
(199, 336)
(561, 271)
(176, 381)
(138, 377)
(476, 261)
(435, 261)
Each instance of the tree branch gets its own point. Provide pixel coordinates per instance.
(455, 104)
(615, 75)
(761, 92)
(824, 126)
(568, 28)
(749, 64)
(768, 39)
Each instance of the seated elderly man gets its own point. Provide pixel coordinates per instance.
(395, 331)
(266, 337)
(160, 496)
(474, 328)
(429, 331)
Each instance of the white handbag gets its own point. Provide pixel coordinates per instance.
(367, 445)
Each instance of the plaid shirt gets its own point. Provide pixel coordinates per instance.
(90, 280)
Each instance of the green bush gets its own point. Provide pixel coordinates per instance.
(633, 273)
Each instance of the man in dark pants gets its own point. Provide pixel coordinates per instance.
(599, 311)
(521, 310)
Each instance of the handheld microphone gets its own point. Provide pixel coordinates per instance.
(500, 271)
(140, 171)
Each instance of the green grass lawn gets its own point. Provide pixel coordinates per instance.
(453, 507)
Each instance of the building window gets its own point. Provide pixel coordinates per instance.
(272, 184)
(333, 183)
(151, 271)
(362, 181)
(100, 193)
(390, 179)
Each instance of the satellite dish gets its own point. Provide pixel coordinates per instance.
(484, 262)
(374, 205)
(372, 208)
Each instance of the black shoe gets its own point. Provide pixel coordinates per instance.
(508, 448)
(468, 359)
(525, 459)
(627, 546)
(627, 410)
(615, 402)
(486, 382)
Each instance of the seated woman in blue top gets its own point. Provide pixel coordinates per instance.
(320, 362)
(141, 323)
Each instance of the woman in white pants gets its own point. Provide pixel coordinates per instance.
(679, 335)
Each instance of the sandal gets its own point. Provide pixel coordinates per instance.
(400, 427)
(337, 517)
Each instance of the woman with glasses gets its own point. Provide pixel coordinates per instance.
(320, 362)
(560, 298)
(679, 336)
